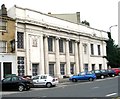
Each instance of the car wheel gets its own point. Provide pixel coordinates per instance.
(91, 79)
(48, 85)
(102, 76)
(21, 88)
(74, 80)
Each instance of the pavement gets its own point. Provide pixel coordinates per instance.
(62, 80)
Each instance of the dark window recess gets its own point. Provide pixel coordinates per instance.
(70, 47)
(61, 45)
(50, 44)
(20, 40)
(92, 49)
(20, 61)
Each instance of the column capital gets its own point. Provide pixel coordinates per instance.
(67, 39)
(77, 41)
(45, 35)
(57, 38)
(84, 44)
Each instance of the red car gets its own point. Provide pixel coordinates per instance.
(117, 71)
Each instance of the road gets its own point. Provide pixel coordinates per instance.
(99, 88)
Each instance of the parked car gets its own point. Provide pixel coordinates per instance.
(111, 73)
(45, 80)
(100, 73)
(16, 83)
(83, 76)
(117, 71)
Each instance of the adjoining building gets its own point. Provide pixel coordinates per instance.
(7, 48)
(51, 45)
(71, 17)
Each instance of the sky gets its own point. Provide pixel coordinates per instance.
(101, 14)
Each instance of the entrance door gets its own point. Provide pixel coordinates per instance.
(7, 68)
(51, 69)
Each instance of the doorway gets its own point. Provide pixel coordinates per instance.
(7, 68)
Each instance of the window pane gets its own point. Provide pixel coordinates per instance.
(98, 49)
(62, 69)
(92, 49)
(50, 44)
(70, 47)
(20, 61)
(72, 68)
(60, 45)
(2, 46)
(20, 40)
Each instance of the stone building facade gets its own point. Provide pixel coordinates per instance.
(46, 44)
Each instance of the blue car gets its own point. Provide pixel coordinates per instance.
(83, 76)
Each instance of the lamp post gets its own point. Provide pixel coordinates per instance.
(111, 27)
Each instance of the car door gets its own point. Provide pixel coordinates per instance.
(81, 76)
(36, 80)
(14, 82)
(6, 83)
(43, 80)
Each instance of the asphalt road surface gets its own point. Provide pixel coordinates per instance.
(99, 88)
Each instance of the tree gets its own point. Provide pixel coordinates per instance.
(113, 53)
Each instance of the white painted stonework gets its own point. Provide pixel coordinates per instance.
(8, 58)
(38, 27)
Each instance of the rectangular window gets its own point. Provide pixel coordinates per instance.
(50, 44)
(61, 45)
(20, 40)
(72, 68)
(70, 47)
(62, 69)
(92, 49)
(34, 42)
(93, 66)
(21, 65)
(85, 67)
(98, 49)
(3, 45)
(100, 66)
(35, 69)
(85, 48)
(51, 69)
(3, 24)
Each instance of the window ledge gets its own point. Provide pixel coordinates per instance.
(96, 56)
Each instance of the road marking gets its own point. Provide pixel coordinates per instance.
(111, 94)
(95, 87)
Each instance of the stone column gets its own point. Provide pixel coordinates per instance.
(81, 67)
(41, 56)
(67, 58)
(46, 61)
(57, 58)
(76, 58)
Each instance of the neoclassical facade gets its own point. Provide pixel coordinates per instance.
(46, 44)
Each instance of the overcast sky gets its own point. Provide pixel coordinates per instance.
(101, 14)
